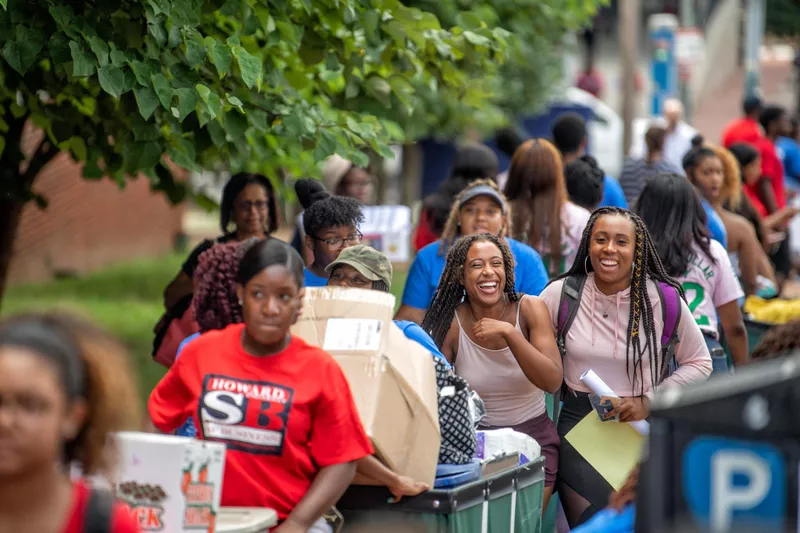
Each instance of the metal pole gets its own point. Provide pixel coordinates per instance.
(628, 12)
(688, 20)
(755, 34)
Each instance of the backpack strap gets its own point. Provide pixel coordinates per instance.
(671, 312)
(99, 511)
(568, 306)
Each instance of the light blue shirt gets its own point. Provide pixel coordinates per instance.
(715, 225)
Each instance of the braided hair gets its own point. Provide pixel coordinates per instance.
(646, 264)
(451, 227)
(451, 292)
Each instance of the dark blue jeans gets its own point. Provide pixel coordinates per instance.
(719, 359)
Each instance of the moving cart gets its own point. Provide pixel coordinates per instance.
(505, 502)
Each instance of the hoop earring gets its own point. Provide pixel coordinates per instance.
(586, 265)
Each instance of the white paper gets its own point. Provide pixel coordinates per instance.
(599, 387)
(352, 334)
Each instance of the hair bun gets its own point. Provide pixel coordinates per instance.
(309, 191)
(697, 141)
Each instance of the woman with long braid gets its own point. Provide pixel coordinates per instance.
(498, 340)
(479, 208)
(616, 332)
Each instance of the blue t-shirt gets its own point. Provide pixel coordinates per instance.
(188, 428)
(414, 332)
(610, 521)
(715, 225)
(426, 270)
(613, 196)
(312, 280)
(789, 152)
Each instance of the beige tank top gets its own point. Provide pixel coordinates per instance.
(510, 398)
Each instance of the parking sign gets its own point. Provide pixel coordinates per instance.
(729, 482)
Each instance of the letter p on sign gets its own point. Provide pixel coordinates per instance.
(729, 483)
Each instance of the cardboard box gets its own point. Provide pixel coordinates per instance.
(170, 483)
(392, 379)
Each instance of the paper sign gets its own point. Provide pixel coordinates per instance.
(611, 448)
(352, 334)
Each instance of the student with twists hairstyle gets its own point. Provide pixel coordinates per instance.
(499, 341)
(330, 224)
(295, 391)
(65, 387)
(671, 209)
(616, 333)
(543, 216)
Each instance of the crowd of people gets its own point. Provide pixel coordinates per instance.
(522, 282)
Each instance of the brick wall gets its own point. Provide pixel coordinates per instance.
(89, 224)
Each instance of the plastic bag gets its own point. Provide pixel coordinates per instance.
(477, 409)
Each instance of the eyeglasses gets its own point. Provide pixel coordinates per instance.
(247, 205)
(336, 242)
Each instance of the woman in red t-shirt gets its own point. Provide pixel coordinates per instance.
(282, 407)
(64, 386)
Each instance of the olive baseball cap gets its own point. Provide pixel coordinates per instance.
(369, 262)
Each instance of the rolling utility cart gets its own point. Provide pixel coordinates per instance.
(506, 502)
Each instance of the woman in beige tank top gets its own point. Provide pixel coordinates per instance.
(501, 342)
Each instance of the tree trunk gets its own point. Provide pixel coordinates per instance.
(10, 216)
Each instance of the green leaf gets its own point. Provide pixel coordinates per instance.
(385, 151)
(2, 139)
(112, 80)
(203, 91)
(59, 48)
(287, 31)
(235, 125)
(360, 159)
(100, 49)
(119, 57)
(379, 88)
(62, 14)
(83, 63)
(216, 133)
(187, 100)
(258, 118)
(298, 80)
(143, 72)
(195, 52)
(250, 67)
(220, 55)
(164, 90)
(156, 29)
(235, 102)
(326, 145)
(21, 53)
(141, 155)
(146, 100)
(144, 130)
(78, 148)
(183, 154)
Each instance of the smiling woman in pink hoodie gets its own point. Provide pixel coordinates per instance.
(616, 333)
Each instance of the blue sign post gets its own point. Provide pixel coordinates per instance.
(664, 67)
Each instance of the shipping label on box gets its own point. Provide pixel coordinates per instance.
(170, 484)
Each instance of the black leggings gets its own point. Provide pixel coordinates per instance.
(582, 490)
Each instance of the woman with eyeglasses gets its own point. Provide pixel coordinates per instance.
(249, 209)
(330, 224)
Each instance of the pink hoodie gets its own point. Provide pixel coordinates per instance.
(599, 343)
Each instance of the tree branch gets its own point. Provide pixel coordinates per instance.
(43, 154)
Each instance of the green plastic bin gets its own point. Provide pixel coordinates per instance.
(755, 330)
(506, 502)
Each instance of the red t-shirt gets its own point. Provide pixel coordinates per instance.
(282, 417)
(121, 520)
(742, 130)
(424, 236)
(772, 168)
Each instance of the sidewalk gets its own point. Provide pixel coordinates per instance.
(715, 111)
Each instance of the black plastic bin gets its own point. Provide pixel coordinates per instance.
(509, 501)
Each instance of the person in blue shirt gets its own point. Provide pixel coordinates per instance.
(691, 161)
(571, 137)
(789, 152)
(480, 208)
(330, 224)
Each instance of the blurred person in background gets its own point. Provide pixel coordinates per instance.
(671, 209)
(571, 137)
(330, 223)
(703, 160)
(584, 182)
(507, 141)
(789, 153)
(473, 161)
(677, 137)
(544, 218)
(636, 172)
(747, 128)
(480, 208)
(65, 387)
(317, 434)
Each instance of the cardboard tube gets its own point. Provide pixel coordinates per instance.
(599, 387)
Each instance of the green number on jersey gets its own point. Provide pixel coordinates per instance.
(699, 293)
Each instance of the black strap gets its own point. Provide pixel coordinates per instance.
(571, 293)
(98, 512)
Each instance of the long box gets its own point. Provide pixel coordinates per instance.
(169, 483)
(392, 379)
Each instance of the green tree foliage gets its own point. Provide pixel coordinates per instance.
(783, 18)
(123, 86)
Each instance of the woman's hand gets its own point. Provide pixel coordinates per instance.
(289, 526)
(489, 329)
(631, 409)
(405, 486)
